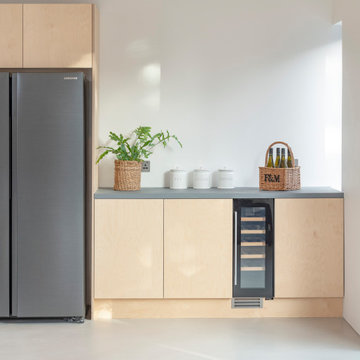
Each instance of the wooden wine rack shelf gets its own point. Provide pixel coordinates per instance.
(252, 232)
(257, 243)
(252, 268)
(253, 256)
(245, 219)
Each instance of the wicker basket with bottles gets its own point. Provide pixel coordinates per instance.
(279, 178)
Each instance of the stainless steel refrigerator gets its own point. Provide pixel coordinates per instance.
(42, 194)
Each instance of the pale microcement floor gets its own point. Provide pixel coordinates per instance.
(181, 339)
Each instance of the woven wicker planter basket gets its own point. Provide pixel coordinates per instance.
(127, 175)
(279, 179)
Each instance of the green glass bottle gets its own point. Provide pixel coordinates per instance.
(289, 160)
(277, 160)
(283, 161)
(270, 163)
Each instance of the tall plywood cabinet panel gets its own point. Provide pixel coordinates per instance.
(197, 248)
(57, 36)
(94, 145)
(128, 249)
(11, 35)
(308, 248)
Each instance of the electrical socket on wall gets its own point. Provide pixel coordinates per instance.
(145, 167)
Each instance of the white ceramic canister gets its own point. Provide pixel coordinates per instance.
(225, 179)
(178, 179)
(201, 179)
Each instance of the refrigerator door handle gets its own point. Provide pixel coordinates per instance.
(14, 210)
(5, 187)
(235, 247)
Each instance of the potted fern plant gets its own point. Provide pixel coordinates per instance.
(130, 152)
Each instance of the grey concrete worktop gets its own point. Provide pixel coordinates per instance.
(214, 193)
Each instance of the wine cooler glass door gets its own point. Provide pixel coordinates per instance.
(253, 248)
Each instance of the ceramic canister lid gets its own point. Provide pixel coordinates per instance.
(178, 170)
(201, 170)
(226, 169)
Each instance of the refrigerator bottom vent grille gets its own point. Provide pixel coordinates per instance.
(247, 303)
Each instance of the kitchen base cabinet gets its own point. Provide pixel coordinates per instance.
(198, 248)
(308, 248)
(128, 249)
(173, 258)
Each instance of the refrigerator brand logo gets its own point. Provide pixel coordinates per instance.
(70, 78)
(272, 178)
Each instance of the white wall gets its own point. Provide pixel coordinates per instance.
(235, 75)
(348, 11)
(228, 77)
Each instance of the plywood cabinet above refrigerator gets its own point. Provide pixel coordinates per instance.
(10, 35)
(46, 35)
(57, 36)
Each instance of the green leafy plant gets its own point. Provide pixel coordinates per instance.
(138, 146)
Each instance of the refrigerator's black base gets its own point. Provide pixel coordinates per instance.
(71, 319)
(75, 319)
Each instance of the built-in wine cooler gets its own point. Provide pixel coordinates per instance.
(253, 274)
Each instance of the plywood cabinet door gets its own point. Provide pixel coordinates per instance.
(10, 35)
(128, 249)
(57, 35)
(197, 248)
(308, 248)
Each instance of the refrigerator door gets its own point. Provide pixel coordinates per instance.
(4, 193)
(48, 195)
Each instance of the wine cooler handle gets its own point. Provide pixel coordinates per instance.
(235, 247)
(269, 228)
